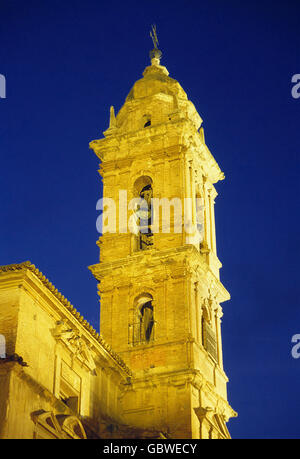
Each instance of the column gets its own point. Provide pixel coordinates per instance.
(212, 195)
(218, 315)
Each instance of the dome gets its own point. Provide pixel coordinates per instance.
(155, 99)
(156, 81)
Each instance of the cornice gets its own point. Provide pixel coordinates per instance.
(127, 139)
(119, 149)
(27, 265)
(141, 257)
(193, 266)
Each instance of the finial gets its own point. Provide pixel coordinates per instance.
(112, 120)
(155, 54)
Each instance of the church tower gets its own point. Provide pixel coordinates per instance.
(159, 271)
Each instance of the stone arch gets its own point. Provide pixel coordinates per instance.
(140, 182)
(146, 120)
(49, 425)
(140, 299)
(143, 193)
(143, 318)
(72, 426)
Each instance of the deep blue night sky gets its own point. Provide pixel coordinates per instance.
(66, 62)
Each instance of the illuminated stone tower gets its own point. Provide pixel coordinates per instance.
(160, 290)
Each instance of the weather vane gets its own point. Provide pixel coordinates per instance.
(153, 35)
(155, 53)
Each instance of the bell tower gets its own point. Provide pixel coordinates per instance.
(158, 274)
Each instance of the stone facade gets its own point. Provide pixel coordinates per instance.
(161, 375)
(57, 371)
(179, 384)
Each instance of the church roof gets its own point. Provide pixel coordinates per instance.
(156, 80)
(27, 265)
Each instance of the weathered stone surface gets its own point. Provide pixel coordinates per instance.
(158, 140)
(156, 370)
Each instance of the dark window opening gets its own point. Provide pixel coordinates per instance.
(209, 340)
(145, 217)
(69, 396)
(146, 321)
